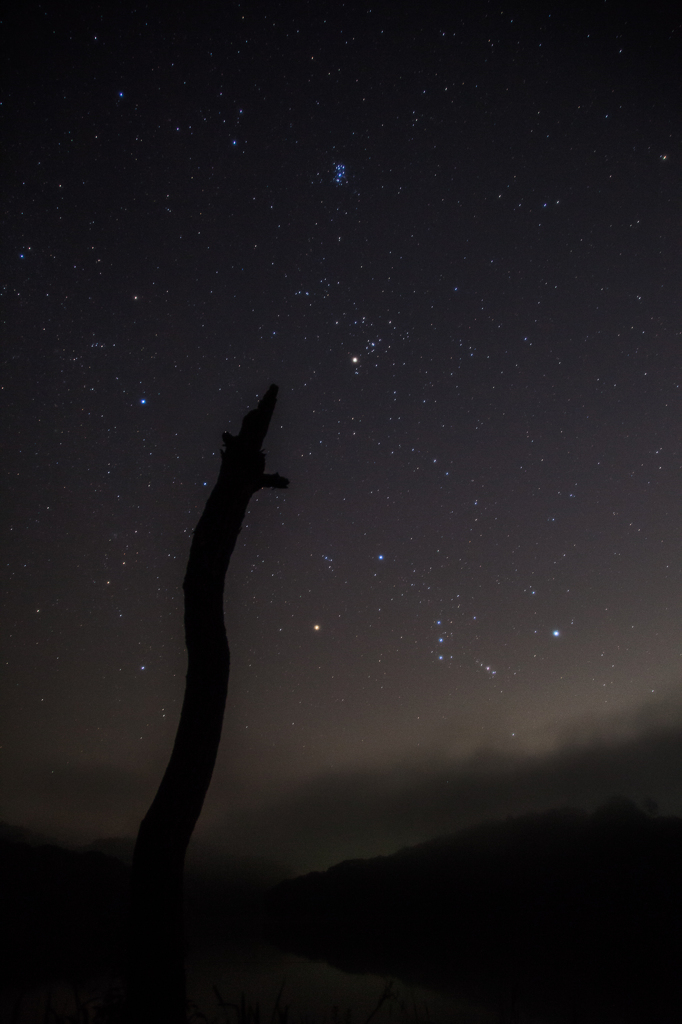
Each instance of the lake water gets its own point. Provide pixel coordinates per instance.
(315, 991)
(243, 964)
(234, 961)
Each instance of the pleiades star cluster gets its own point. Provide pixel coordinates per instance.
(452, 238)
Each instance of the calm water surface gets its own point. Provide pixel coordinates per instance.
(315, 991)
(241, 962)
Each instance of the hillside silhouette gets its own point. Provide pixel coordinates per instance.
(571, 914)
(563, 915)
(62, 912)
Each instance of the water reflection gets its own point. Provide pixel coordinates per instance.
(344, 975)
(243, 965)
(559, 918)
(314, 990)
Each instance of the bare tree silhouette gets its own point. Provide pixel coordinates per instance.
(156, 976)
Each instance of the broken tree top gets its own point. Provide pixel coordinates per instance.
(250, 438)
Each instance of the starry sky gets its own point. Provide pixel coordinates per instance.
(452, 235)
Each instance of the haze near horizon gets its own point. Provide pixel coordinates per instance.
(451, 239)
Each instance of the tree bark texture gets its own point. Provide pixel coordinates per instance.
(156, 978)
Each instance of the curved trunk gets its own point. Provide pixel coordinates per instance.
(156, 977)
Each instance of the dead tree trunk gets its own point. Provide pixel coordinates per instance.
(156, 977)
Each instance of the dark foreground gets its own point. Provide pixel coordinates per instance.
(560, 916)
(557, 917)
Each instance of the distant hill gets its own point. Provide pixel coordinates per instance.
(593, 901)
(17, 834)
(564, 861)
(120, 847)
(61, 912)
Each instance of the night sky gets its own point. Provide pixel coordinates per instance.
(452, 235)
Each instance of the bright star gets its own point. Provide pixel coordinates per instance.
(555, 632)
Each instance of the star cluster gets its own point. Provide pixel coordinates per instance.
(453, 240)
